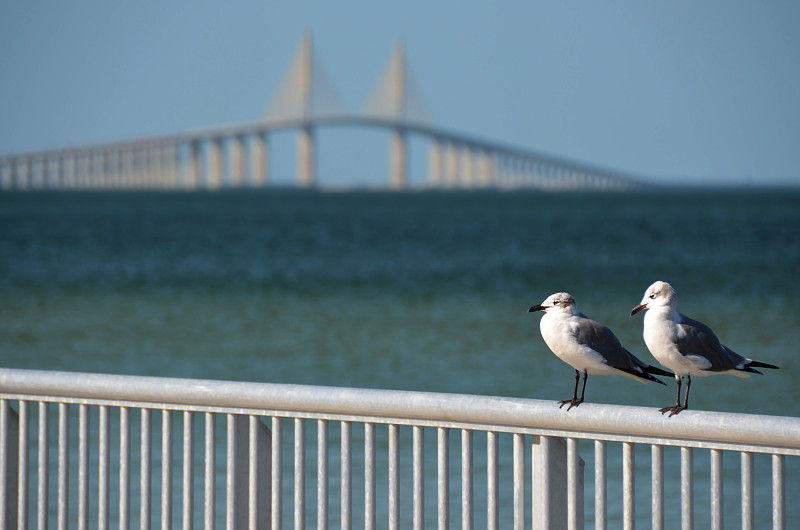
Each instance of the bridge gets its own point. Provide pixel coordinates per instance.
(238, 155)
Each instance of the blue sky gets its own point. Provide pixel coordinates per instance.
(674, 90)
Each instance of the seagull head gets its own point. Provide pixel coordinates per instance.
(558, 302)
(660, 294)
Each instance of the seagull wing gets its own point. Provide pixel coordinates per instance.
(602, 340)
(695, 338)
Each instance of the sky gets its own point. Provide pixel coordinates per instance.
(676, 91)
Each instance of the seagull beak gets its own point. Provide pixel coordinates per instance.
(638, 308)
(537, 308)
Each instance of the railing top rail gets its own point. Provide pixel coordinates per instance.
(716, 428)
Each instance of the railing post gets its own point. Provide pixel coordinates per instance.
(262, 453)
(549, 484)
(9, 471)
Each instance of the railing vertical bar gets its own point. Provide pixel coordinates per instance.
(103, 471)
(322, 474)
(748, 519)
(687, 488)
(166, 470)
(369, 476)
(252, 472)
(394, 478)
(188, 470)
(346, 484)
(519, 480)
(628, 486)
(63, 466)
(145, 470)
(124, 468)
(418, 463)
(716, 489)
(22, 476)
(572, 483)
(4, 469)
(443, 474)
(657, 485)
(209, 493)
(600, 486)
(492, 482)
(299, 475)
(466, 480)
(43, 471)
(276, 485)
(545, 479)
(230, 472)
(778, 492)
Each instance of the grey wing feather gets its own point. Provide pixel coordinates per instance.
(699, 339)
(602, 340)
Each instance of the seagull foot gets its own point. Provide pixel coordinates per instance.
(673, 410)
(572, 403)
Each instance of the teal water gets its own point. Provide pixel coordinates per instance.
(418, 291)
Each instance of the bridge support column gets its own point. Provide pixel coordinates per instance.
(23, 175)
(126, 166)
(153, 167)
(171, 164)
(236, 161)
(398, 160)
(306, 163)
(109, 170)
(434, 163)
(64, 172)
(214, 166)
(451, 166)
(191, 177)
(259, 159)
(36, 173)
(485, 168)
(5, 172)
(468, 167)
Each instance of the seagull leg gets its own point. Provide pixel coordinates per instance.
(576, 402)
(685, 405)
(574, 393)
(677, 399)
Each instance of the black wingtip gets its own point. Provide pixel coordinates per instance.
(656, 379)
(658, 371)
(756, 364)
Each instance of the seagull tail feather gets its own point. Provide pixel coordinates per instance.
(658, 371)
(645, 374)
(752, 365)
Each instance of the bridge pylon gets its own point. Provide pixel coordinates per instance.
(398, 98)
(305, 93)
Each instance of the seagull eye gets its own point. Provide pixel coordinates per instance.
(555, 302)
(653, 295)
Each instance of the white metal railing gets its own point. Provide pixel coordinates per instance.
(229, 468)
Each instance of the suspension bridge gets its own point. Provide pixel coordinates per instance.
(238, 155)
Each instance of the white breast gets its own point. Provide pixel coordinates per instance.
(660, 332)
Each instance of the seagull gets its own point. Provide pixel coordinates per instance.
(686, 346)
(587, 345)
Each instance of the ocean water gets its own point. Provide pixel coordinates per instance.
(415, 291)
